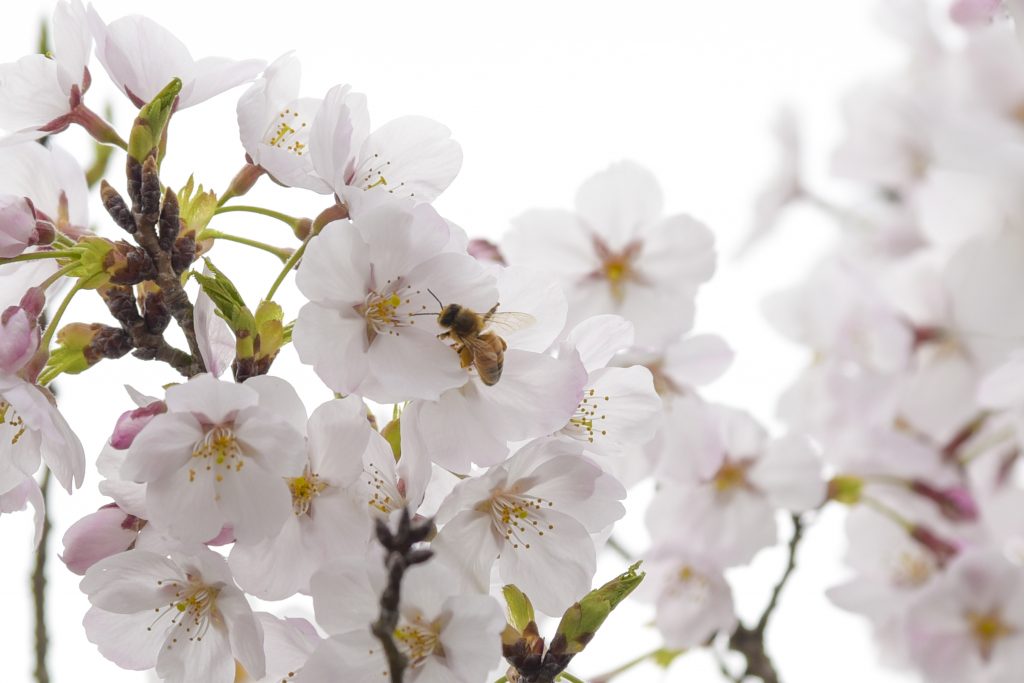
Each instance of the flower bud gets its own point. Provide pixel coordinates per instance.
(149, 125)
(82, 345)
(131, 423)
(18, 229)
(102, 261)
(195, 207)
(19, 331)
(519, 608)
(580, 622)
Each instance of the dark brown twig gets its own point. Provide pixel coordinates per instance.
(402, 554)
(42, 639)
(750, 641)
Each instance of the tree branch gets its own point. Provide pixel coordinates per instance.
(750, 641)
(401, 555)
(42, 639)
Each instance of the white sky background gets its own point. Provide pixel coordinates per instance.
(540, 95)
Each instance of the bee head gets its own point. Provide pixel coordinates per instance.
(448, 314)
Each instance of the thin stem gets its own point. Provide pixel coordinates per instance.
(280, 252)
(42, 639)
(57, 275)
(794, 542)
(886, 511)
(569, 677)
(283, 217)
(37, 255)
(288, 265)
(609, 675)
(52, 327)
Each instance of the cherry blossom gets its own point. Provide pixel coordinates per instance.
(178, 612)
(141, 57)
(447, 632)
(616, 254)
(534, 514)
(366, 281)
(219, 455)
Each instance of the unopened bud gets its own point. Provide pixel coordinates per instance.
(519, 609)
(170, 223)
(580, 622)
(149, 125)
(82, 345)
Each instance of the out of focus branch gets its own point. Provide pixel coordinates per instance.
(39, 589)
(750, 641)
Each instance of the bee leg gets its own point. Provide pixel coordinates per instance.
(504, 344)
(444, 335)
(465, 356)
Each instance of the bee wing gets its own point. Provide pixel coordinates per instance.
(508, 321)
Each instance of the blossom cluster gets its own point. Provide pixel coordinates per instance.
(916, 332)
(508, 392)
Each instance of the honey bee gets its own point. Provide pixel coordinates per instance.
(475, 337)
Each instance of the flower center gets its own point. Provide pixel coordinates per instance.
(218, 452)
(617, 267)
(384, 495)
(193, 607)
(987, 629)
(304, 489)
(14, 421)
(689, 584)
(589, 418)
(370, 174)
(418, 640)
(912, 569)
(382, 313)
(731, 475)
(289, 132)
(515, 516)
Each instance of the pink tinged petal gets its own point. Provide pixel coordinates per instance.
(678, 252)
(103, 533)
(659, 315)
(336, 267)
(566, 246)
(355, 657)
(413, 364)
(130, 496)
(208, 658)
(18, 463)
(411, 156)
(165, 445)
(337, 526)
(620, 408)
(277, 567)
(470, 542)
(245, 633)
(288, 644)
(401, 236)
(619, 202)
(453, 278)
(125, 639)
(271, 443)
(471, 638)
(790, 474)
(214, 75)
(72, 43)
(19, 497)
(335, 344)
(131, 423)
(331, 138)
(42, 174)
(440, 432)
(264, 100)
(975, 12)
(1004, 387)
(256, 502)
(537, 395)
(128, 582)
(284, 150)
(338, 435)
(697, 360)
(597, 339)
(210, 399)
(525, 291)
(184, 503)
(139, 55)
(17, 227)
(573, 485)
(278, 397)
(556, 569)
(30, 94)
(343, 597)
(63, 454)
(215, 339)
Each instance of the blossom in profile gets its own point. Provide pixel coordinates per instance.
(142, 57)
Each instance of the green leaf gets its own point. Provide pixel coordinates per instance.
(520, 609)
